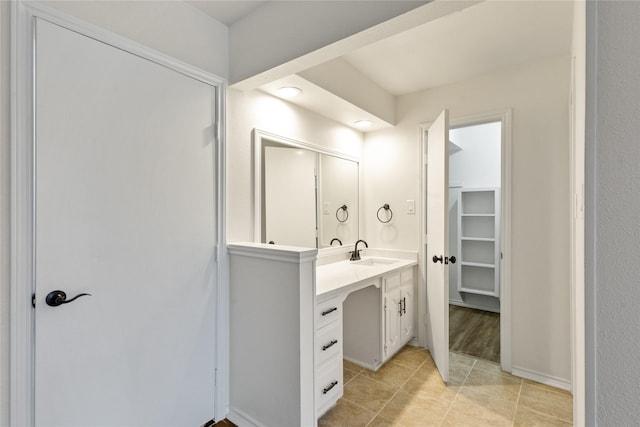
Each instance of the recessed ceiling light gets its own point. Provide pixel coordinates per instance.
(289, 92)
(363, 123)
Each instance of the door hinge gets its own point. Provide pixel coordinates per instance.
(33, 300)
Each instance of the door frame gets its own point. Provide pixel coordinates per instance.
(504, 116)
(22, 209)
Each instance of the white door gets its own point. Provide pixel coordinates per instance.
(437, 252)
(125, 211)
(290, 196)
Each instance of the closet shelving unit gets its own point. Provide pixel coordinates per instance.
(479, 241)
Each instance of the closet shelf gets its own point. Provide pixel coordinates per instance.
(477, 264)
(477, 292)
(478, 239)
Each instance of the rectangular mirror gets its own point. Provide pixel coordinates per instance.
(338, 201)
(306, 195)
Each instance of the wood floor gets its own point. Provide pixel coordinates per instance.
(474, 332)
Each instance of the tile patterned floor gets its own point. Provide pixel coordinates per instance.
(407, 392)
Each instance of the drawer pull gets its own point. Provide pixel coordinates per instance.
(328, 388)
(331, 310)
(328, 346)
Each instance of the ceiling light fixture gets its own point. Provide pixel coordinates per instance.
(289, 91)
(363, 123)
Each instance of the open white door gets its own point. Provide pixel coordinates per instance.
(126, 212)
(437, 253)
(290, 196)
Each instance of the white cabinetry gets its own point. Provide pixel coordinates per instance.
(272, 336)
(379, 319)
(328, 353)
(479, 241)
(398, 308)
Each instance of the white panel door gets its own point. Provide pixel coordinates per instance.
(125, 211)
(438, 241)
(290, 196)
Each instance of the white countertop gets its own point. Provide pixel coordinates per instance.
(348, 276)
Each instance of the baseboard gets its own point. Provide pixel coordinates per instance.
(545, 379)
(474, 306)
(241, 419)
(361, 364)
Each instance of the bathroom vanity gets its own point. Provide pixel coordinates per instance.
(295, 317)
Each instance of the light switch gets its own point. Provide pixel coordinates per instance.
(411, 207)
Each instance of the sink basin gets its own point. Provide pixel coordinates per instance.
(372, 262)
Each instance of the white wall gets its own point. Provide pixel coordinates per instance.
(478, 163)
(538, 94)
(173, 28)
(5, 33)
(612, 214)
(256, 109)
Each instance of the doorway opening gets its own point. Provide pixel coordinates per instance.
(475, 182)
(434, 332)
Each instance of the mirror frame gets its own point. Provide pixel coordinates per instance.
(259, 138)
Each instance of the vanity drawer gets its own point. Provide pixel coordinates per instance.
(328, 343)
(328, 386)
(328, 311)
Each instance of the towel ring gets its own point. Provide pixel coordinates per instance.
(346, 213)
(386, 208)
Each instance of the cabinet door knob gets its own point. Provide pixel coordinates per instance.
(452, 259)
(437, 259)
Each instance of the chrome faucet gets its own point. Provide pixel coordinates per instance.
(355, 255)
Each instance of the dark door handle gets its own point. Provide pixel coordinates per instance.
(56, 298)
(437, 259)
(452, 259)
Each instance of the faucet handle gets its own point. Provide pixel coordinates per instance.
(355, 255)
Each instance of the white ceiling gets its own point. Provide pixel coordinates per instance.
(488, 36)
(482, 38)
(228, 11)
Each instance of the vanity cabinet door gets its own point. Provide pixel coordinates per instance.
(399, 310)
(407, 295)
(392, 313)
(407, 319)
(392, 322)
